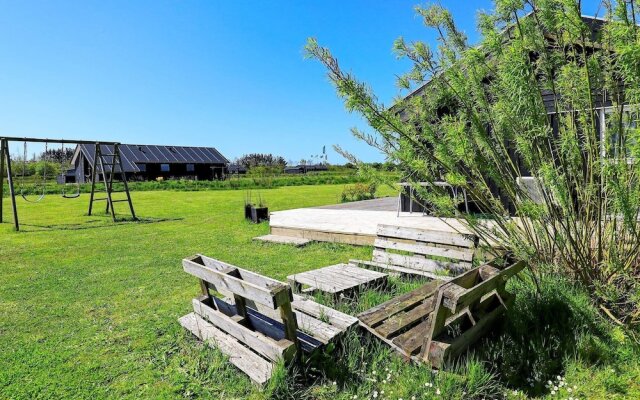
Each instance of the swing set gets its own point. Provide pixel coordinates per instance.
(106, 168)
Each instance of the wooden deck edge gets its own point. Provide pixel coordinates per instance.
(325, 236)
(279, 239)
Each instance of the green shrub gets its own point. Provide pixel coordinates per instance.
(358, 192)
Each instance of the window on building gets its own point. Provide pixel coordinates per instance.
(191, 168)
(164, 167)
(612, 124)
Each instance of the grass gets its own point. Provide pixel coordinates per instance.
(89, 309)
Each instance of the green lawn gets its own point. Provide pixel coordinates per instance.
(89, 309)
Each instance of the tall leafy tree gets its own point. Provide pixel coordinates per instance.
(261, 160)
(546, 93)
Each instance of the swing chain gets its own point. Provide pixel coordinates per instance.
(44, 175)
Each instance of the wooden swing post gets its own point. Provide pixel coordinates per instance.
(5, 159)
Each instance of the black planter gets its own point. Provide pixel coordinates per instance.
(259, 214)
(247, 211)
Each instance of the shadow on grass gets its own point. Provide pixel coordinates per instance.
(541, 333)
(95, 223)
(539, 337)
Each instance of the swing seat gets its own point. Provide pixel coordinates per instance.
(73, 195)
(26, 198)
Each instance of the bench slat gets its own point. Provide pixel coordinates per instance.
(421, 264)
(267, 347)
(431, 236)
(258, 368)
(464, 254)
(272, 297)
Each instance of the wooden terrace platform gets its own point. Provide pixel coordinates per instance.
(353, 223)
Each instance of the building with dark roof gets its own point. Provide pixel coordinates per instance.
(303, 169)
(149, 162)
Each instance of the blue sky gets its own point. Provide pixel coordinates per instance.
(229, 74)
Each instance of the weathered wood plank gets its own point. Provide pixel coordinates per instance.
(405, 319)
(411, 340)
(269, 324)
(316, 328)
(386, 310)
(290, 323)
(336, 318)
(271, 297)
(245, 275)
(431, 236)
(460, 299)
(274, 350)
(462, 253)
(400, 270)
(258, 368)
(442, 349)
(421, 264)
(338, 278)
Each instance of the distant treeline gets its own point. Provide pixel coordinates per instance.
(321, 178)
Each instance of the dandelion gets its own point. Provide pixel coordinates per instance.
(437, 391)
(335, 383)
(375, 394)
(553, 392)
(569, 390)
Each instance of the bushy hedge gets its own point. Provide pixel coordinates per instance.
(231, 184)
(358, 192)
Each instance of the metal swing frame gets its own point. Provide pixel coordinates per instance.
(104, 174)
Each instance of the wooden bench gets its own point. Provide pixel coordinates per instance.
(442, 319)
(259, 322)
(422, 252)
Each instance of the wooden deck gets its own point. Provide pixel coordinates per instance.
(352, 223)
